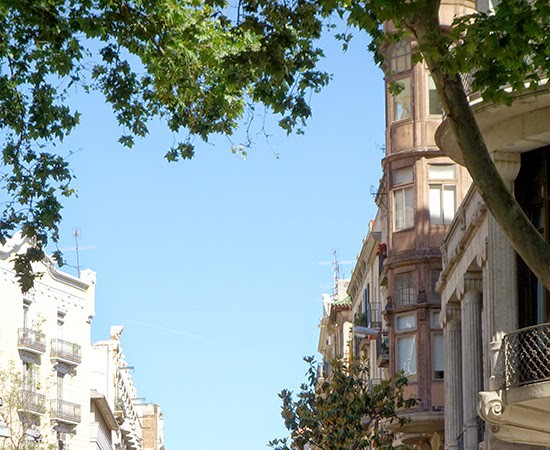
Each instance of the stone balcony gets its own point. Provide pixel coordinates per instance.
(31, 341)
(518, 410)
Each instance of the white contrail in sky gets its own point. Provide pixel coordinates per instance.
(167, 330)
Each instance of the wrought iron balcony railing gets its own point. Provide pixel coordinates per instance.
(524, 357)
(382, 349)
(65, 351)
(31, 340)
(65, 411)
(32, 402)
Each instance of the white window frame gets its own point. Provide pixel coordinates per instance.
(403, 101)
(442, 184)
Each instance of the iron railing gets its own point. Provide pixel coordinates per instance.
(524, 357)
(28, 339)
(66, 351)
(382, 349)
(65, 411)
(375, 319)
(32, 402)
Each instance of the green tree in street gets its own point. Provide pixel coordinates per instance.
(346, 411)
(201, 65)
(20, 411)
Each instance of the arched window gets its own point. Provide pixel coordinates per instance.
(401, 57)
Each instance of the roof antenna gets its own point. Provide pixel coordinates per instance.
(76, 234)
(336, 272)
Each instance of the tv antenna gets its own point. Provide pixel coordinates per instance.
(76, 234)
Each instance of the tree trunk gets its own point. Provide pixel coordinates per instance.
(526, 240)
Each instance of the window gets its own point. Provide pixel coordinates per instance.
(437, 356)
(406, 322)
(403, 199)
(402, 176)
(26, 317)
(434, 105)
(401, 57)
(434, 321)
(402, 101)
(406, 355)
(406, 343)
(442, 195)
(404, 289)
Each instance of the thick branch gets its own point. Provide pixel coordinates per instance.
(526, 240)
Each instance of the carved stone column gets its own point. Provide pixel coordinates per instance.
(472, 367)
(500, 291)
(453, 374)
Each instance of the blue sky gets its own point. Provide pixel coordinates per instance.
(212, 265)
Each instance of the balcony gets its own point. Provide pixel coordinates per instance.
(31, 341)
(520, 404)
(383, 349)
(32, 402)
(66, 352)
(65, 412)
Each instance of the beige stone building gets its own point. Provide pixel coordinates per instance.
(56, 389)
(44, 350)
(335, 327)
(496, 313)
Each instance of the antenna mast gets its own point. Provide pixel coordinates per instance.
(336, 273)
(76, 234)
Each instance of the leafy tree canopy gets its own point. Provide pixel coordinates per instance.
(346, 411)
(201, 65)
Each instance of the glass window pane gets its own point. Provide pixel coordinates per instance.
(402, 101)
(435, 205)
(433, 98)
(401, 176)
(437, 352)
(409, 208)
(407, 322)
(441, 172)
(435, 320)
(449, 204)
(406, 355)
(399, 210)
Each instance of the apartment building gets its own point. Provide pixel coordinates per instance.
(420, 191)
(56, 389)
(111, 377)
(336, 326)
(152, 422)
(44, 345)
(496, 313)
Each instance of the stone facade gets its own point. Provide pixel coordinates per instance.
(489, 297)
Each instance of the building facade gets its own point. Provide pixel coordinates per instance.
(56, 389)
(420, 192)
(44, 354)
(496, 313)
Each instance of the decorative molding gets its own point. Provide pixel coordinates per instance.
(451, 313)
(491, 407)
(507, 164)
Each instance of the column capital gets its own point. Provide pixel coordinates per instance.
(471, 282)
(451, 313)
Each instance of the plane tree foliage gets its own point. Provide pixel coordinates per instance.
(344, 411)
(203, 66)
